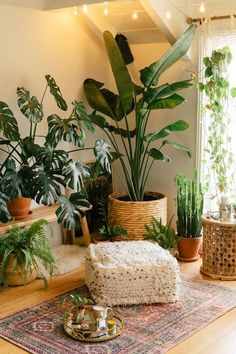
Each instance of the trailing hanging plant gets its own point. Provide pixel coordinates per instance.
(41, 172)
(124, 117)
(189, 205)
(216, 87)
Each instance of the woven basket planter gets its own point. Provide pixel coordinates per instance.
(132, 216)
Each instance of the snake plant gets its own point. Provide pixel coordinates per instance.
(124, 117)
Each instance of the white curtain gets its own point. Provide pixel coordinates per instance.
(216, 35)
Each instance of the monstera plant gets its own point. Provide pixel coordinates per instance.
(124, 116)
(43, 171)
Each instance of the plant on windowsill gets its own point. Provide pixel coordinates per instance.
(24, 253)
(41, 172)
(164, 235)
(124, 117)
(218, 153)
(189, 211)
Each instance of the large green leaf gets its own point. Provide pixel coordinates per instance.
(123, 80)
(123, 45)
(75, 172)
(8, 123)
(96, 99)
(82, 116)
(11, 180)
(102, 154)
(56, 92)
(158, 155)
(71, 210)
(167, 103)
(177, 146)
(150, 75)
(51, 158)
(179, 125)
(151, 94)
(4, 213)
(46, 186)
(29, 106)
(63, 129)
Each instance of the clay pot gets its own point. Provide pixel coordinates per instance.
(188, 248)
(19, 208)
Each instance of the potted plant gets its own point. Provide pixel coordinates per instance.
(42, 171)
(164, 235)
(189, 210)
(218, 154)
(126, 115)
(24, 253)
(77, 308)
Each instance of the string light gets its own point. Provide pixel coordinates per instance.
(106, 11)
(85, 8)
(75, 12)
(134, 15)
(168, 15)
(202, 8)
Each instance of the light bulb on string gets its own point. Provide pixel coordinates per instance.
(85, 8)
(134, 15)
(168, 14)
(106, 11)
(75, 12)
(202, 8)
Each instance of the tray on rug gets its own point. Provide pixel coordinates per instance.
(149, 329)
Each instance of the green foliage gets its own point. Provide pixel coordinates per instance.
(77, 300)
(189, 205)
(28, 247)
(109, 231)
(115, 113)
(164, 235)
(42, 172)
(217, 91)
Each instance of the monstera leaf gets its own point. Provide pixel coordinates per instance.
(102, 154)
(75, 173)
(46, 186)
(11, 180)
(8, 123)
(63, 129)
(56, 92)
(81, 116)
(50, 158)
(4, 213)
(29, 106)
(71, 210)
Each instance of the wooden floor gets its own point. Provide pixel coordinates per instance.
(217, 338)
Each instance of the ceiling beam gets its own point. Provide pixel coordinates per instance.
(59, 4)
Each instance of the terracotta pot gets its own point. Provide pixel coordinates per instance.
(19, 208)
(132, 216)
(188, 248)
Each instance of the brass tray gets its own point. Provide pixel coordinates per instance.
(92, 334)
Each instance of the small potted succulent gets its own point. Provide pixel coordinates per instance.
(189, 210)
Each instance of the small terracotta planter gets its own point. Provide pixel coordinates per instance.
(19, 208)
(188, 248)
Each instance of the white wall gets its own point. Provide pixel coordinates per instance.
(34, 43)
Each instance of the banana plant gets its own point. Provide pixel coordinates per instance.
(115, 113)
(42, 172)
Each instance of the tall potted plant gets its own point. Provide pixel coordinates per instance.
(126, 115)
(41, 172)
(189, 210)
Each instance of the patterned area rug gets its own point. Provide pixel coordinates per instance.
(150, 329)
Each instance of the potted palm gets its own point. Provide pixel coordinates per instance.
(24, 253)
(124, 118)
(189, 210)
(42, 171)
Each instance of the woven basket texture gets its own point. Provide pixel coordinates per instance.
(219, 249)
(134, 215)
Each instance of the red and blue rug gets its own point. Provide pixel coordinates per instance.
(149, 329)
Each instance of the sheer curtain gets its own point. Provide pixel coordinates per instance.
(216, 35)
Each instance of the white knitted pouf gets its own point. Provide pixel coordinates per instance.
(125, 273)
